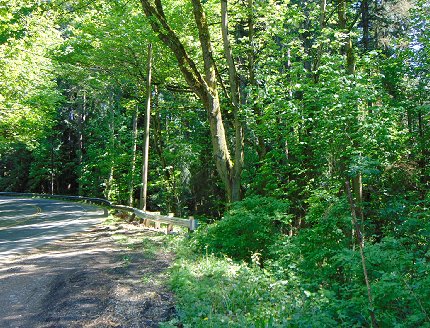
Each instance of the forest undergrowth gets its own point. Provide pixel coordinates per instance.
(243, 271)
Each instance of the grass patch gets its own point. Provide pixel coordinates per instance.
(112, 220)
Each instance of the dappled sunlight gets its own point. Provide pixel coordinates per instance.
(86, 280)
(64, 251)
(27, 277)
(59, 266)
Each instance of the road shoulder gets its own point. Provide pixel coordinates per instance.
(91, 279)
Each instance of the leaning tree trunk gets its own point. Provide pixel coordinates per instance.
(360, 240)
(203, 84)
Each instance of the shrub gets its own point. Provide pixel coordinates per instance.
(248, 229)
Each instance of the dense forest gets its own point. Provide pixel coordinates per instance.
(297, 132)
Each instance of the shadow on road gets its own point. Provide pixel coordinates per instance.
(29, 223)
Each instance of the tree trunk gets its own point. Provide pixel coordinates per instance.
(110, 179)
(360, 240)
(52, 167)
(235, 99)
(133, 157)
(81, 122)
(143, 191)
(319, 51)
(365, 24)
(157, 135)
(261, 146)
(348, 51)
(423, 159)
(347, 47)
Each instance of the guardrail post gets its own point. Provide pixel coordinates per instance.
(169, 228)
(193, 223)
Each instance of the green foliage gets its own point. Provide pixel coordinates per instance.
(313, 250)
(399, 281)
(255, 223)
(28, 94)
(324, 260)
(310, 279)
(216, 292)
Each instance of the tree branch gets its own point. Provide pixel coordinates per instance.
(159, 24)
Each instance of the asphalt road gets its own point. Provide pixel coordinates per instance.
(29, 223)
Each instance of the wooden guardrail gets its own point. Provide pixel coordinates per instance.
(151, 220)
(168, 220)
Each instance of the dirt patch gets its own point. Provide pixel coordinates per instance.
(92, 279)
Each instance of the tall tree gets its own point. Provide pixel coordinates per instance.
(143, 192)
(204, 84)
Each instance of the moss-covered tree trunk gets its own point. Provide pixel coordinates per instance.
(204, 85)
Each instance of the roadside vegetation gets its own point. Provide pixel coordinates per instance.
(311, 279)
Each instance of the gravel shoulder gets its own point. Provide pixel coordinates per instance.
(110, 276)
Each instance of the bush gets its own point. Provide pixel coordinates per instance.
(248, 229)
(312, 249)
